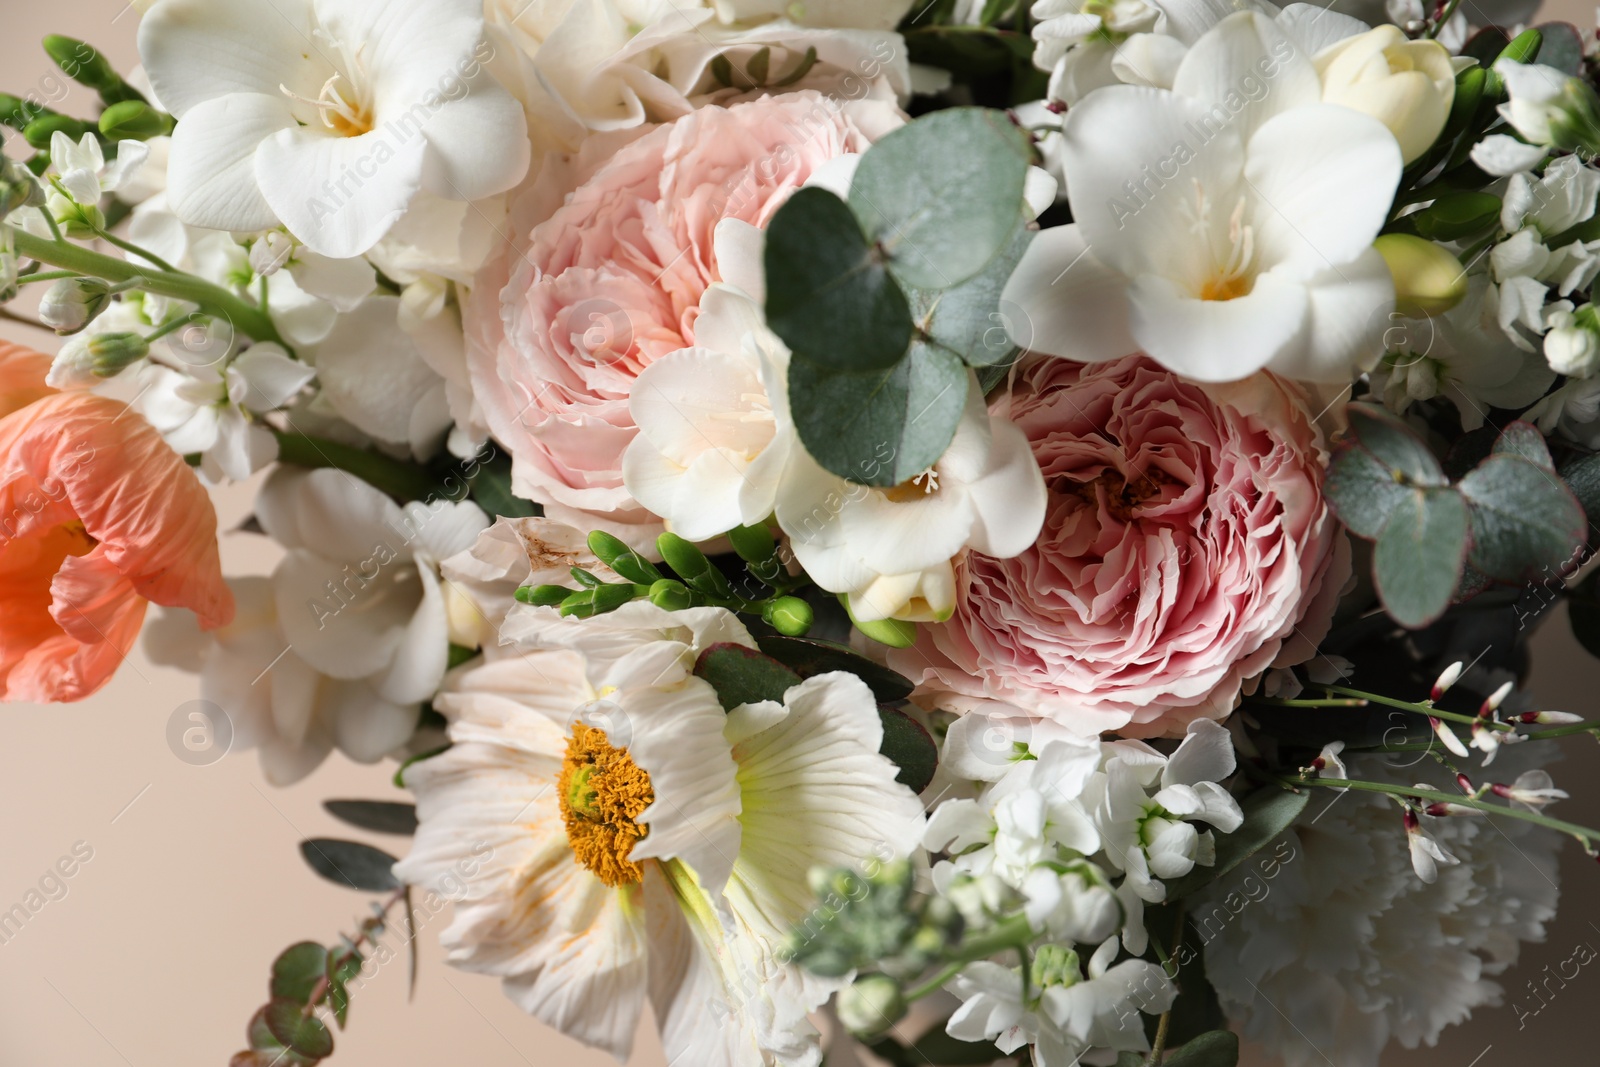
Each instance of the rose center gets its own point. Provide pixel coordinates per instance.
(602, 794)
(1123, 496)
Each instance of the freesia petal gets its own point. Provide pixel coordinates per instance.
(211, 172)
(1063, 301)
(1314, 27)
(1010, 499)
(478, 143)
(423, 652)
(1223, 65)
(1217, 340)
(366, 726)
(1325, 176)
(372, 372)
(335, 622)
(199, 50)
(338, 195)
(1349, 309)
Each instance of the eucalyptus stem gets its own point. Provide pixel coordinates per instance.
(936, 983)
(1582, 833)
(212, 299)
(403, 481)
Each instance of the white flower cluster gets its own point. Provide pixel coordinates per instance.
(1058, 818)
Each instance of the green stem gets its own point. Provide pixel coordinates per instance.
(1564, 731)
(212, 299)
(936, 983)
(47, 276)
(403, 481)
(1420, 709)
(129, 246)
(1582, 833)
(1330, 703)
(1009, 933)
(1444, 17)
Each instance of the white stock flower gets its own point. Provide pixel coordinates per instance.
(1219, 233)
(1572, 345)
(328, 115)
(212, 409)
(1142, 803)
(358, 592)
(1534, 90)
(714, 429)
(82, 170)
(646, 844)
(1353, 947)
(890, 549)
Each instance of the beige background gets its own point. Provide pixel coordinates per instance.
(158, 953)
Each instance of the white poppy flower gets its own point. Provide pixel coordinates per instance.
(890, 549)
(211, 409)
(328, 115)
(275, 702)
(645, 843)
(1218, 233)
(358, 591)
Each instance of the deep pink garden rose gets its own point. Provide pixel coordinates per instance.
(1186, 549)
(561, 324)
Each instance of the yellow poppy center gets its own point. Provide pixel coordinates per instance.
(79, 541)
(602, 794)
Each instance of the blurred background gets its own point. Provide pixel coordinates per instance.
(157, 952)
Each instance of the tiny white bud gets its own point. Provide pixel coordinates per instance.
(1496, 698)
(72, 303)
(1447, 678)
(270, 252)
(1448, 736)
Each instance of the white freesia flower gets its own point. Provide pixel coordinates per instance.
(212, 409)
(644, 842)
(276, 702)
(1501, 154)
(328, 115)
(1406, 85)
(358, 591)
(714, 429)
(858, 14)
(374, 375)
(890, 549)
(1219, 234)
(1349, 929)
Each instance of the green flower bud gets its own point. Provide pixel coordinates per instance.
(754, 544)
(544, 596)
(133, 120)
(72, 303)
(692, 565)
(1055, 965)
(111, 353)
(870, 1005)
(76, 220)
(622, 559)
(79, 61)
(789, 615)
(671, 594)
(18, 188)
(39, 131)
(1428, 280)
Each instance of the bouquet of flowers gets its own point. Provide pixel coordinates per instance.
(981, 529)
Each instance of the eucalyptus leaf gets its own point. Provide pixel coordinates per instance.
(1583, 612)
(1268, 812)
(351, 864)
(298, 1031)
(1218, 1048)
(1582, 476)
(1420, 554)
(808, 656)
(743, 675)
(297, 970)
(942, 196)
(1525, 521)
(1524, 439)
(1395, 445)
(908, 746)
(829, 296)
(966, 319)
(380, 816)
(1361, 490)
(491, 490)
(879, 427)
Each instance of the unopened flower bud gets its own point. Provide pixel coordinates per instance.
(789, 615)
(1428, 280)
(111, 353)
(1406, 85)
(1496, 698)
(1464, 784)
(1572, 344)
(270, 252)
(543, 596)
(1055, 965)
(870, 1005)
(671, 594)
(1447, 678)
(76, 220)
(72, 303)
(1549, 718)
(18, 187)
(133, 120)
(1448, 736)
(1549, 107)
(1441, 810)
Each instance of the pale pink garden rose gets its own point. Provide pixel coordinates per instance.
(560, 325)
(1186, 549)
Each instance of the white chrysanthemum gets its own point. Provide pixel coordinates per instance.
(646, 844)
(1355, 948)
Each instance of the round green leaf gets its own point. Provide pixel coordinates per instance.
(808, 656)
(742, 675)
(907, 745)
(829, 296)
(297, 970)
(1420, 554)
(1395, 445)
(1524, 439)
(879, 427)
(380, 816)
(298, 1031)
(1525, 521)
(1456, 215)
(966, 319)
(943, 195)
